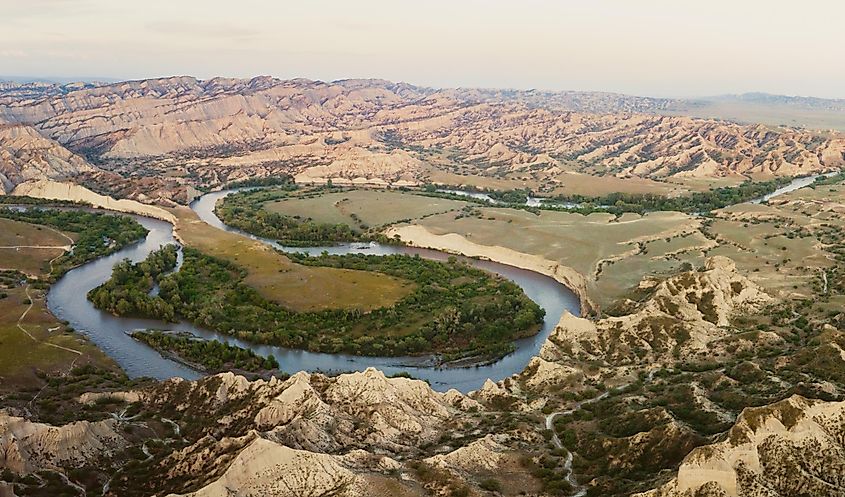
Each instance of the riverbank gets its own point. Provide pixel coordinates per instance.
(419, 236)
(544, 282)
(76, 193)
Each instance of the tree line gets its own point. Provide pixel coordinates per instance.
(211, 356)
(696, 202)
(245, 211)
(99, 234)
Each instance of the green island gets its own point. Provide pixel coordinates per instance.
(127, 293)
(98, 234)
(210, 356)
(455, 310)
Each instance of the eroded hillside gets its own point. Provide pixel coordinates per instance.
(204, 133)
(627, 400)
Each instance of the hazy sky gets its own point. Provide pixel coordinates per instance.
(647, 47)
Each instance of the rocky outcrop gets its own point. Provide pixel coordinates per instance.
(382, 133)
(362, 167)
(681, 319)
(327, 414)
(484, 454)
(793, 447)
(267, 468)
(25, 155)
(26, 447)
(307, 435)
(70, 191)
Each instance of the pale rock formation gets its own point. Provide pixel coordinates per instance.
(25, 155)
(460, 401)
(378, 132)
(68, 191)
(266, 468)
(543, 374)
(682, 318)
(318, 413)
(483, 454)
(26, 446)
(793, 447)
(490, 392)
(90, 398)
(363, 167)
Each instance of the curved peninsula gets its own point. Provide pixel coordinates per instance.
(67, 300)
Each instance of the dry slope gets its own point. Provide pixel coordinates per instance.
(372, 131)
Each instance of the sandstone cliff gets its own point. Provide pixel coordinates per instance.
(26, 447)
(682, 319)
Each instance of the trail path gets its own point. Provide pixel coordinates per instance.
(42, 342)
(580, 490)
(20, 326)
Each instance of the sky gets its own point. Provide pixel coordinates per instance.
(679, 48)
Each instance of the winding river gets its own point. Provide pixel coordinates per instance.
(67, 300)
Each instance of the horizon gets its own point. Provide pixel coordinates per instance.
(65, 80)
(662, 49)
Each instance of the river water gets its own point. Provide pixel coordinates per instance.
(530, 201)
(67, 300)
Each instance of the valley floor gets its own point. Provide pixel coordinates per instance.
(714, 368)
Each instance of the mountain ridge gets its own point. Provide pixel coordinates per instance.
(203, 133)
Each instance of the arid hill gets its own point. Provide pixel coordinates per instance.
(26, 155)
(673, 420)
(373, 131)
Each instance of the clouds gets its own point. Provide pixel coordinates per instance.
(655, 47)
(199, 30)
(12, 53)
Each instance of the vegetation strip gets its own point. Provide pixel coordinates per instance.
(99, 234)
(210, 356)
(245, 211)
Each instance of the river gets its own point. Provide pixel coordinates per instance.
(68, 301)
(530, 201)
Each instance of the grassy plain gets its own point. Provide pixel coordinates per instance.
(589, 244)
(32, 341)
(775, 245)
(296, 287)
(17, 246)
(370, 207)
(22, 356)
(704, 184)
(769, 243)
